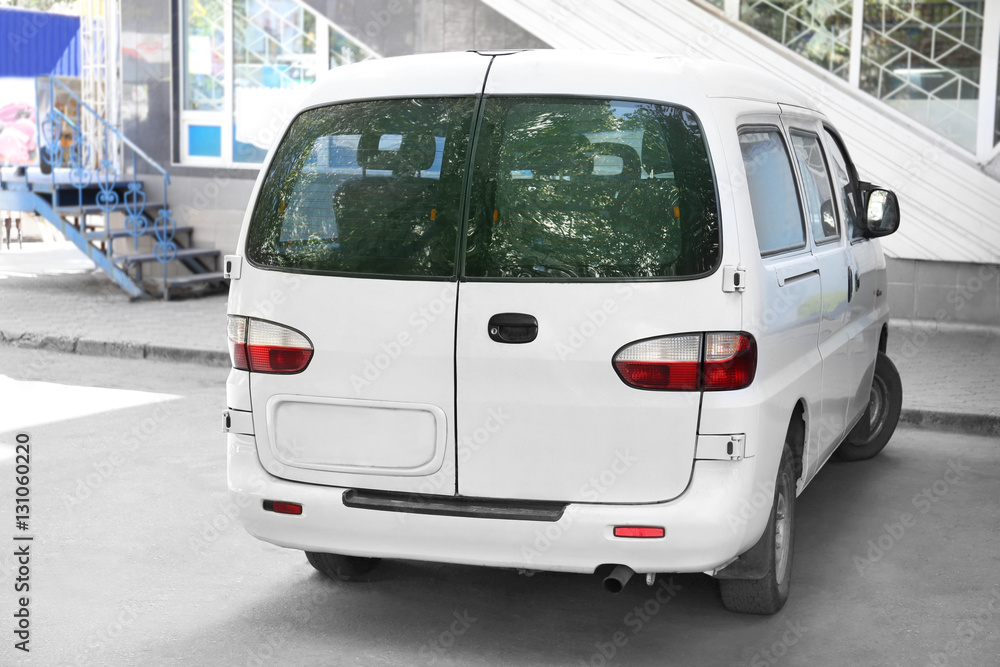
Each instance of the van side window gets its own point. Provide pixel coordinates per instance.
(776, 212)
(845, 192)
(817, 188)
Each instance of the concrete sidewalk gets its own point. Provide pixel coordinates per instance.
(950, 373)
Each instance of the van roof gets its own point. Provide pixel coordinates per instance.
(629, 74)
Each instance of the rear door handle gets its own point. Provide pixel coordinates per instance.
(850, 283)
(513, 328)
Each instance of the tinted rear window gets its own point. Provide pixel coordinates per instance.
(584, 188)
(368, 188)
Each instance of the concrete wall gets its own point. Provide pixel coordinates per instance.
(944, 291)
(400, 27)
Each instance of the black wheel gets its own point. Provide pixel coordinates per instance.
(341, 568)
(879, 421)
(767, 595)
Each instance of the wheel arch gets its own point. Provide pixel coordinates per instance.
(795, 437)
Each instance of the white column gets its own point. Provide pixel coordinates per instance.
(229, 102)
(322, 45)
(988, 82)
(857, 34)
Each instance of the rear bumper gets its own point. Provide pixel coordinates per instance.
(711, 523)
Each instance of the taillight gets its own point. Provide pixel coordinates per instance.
(266, 347)
(668, 363)
(238, 342)
(730, 361)
(713, 361)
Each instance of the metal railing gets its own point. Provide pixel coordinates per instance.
(87, 169)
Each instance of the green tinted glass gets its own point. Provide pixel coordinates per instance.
(368, 188)
(584, 188)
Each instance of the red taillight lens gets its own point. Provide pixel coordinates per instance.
(730, 361)
(238, 342)
(689, 362)
(639, 531)
(281, 507)
(265, 347)
(670, 362)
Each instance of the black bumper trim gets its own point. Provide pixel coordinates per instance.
(479, 508)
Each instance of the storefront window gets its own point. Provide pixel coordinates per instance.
(204, 56)
(236, 53)
(819, 30)
(923, 58)
(274, 46)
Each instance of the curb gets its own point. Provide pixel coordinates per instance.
(118, 349)
(965, 422)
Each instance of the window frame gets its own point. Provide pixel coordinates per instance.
(462, 211)
(473, 146)
(783, 250)
(852, 174)
(826, 240)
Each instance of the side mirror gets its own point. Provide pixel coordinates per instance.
(881, 211)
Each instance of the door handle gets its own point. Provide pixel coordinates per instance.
(850, 283)
(512, 328)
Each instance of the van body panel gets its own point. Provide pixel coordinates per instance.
(384, 353)
(701, 534)
(572, 429)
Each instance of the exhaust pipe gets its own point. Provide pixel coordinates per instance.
(615, 582)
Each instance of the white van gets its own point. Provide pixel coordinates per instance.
(542, 310)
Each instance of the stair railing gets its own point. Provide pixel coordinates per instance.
(82, 174)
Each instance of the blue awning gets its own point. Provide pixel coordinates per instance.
(38, 44)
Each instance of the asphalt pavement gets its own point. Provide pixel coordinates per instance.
(138, 557)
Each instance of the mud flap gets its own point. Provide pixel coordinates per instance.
(756, 562)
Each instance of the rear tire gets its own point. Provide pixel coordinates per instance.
(341, 568)
(884, 406)
(767, 595)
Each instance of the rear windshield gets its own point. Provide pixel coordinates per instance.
(584, 188)
(562, 189)
(366, 188)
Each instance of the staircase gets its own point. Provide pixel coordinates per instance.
(949, 205)
(127, 230)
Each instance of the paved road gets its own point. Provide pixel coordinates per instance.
(137, 558)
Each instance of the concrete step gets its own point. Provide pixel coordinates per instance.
(187, 253)
(123, 233)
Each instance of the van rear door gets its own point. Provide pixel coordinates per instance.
(593, 224)
(353, 242)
